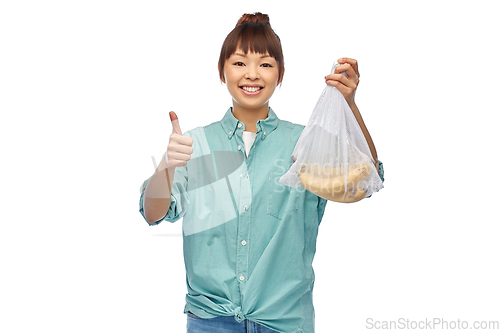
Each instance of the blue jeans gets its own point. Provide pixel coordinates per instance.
(223, 324)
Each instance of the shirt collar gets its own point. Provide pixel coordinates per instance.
(230, 123)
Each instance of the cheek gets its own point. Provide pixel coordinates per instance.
(273, 81)
(230, 77)
(273, 77)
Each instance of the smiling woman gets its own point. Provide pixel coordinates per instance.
(253, 33)
(251, 64)
(251, 80)
(249, 241)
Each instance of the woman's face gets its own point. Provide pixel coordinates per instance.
(251, 78)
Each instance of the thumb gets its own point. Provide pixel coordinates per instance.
(175, 123)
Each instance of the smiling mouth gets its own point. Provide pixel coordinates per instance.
(252, 89)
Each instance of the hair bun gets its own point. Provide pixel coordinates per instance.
(256, 17)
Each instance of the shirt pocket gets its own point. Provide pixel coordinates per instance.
(281, 199)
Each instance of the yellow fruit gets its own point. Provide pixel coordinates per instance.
(330, 183)
(354, 195)
(355, 176)
(322, 188)
(333, 179)
(322, 171)
(315, 184)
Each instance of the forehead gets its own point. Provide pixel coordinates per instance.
(240, 53)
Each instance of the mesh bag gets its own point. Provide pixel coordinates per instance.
(331, 158)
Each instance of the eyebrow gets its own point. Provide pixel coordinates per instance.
(244, 55)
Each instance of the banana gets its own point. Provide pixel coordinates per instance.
(322, 171)
(354, 195)
(322, 188)
(329, 183)
(355, 176)
(316, 185)
(333, 179)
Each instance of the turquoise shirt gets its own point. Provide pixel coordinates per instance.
(249, 241)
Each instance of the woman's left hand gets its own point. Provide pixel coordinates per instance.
(346, 85)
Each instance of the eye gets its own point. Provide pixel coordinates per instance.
(267, 65)
(239, 63)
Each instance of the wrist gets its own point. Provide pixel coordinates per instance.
(163, 163)
(353, 105)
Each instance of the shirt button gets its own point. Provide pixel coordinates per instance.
(243, 243)
(241, 176)
(230, 132)
(247, 176)
(264, 133)
(239, 125)
(242, 278)
(245, 208)
(239, 147)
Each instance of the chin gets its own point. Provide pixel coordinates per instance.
(251, 106)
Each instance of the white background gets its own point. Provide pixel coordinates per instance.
(85, 90)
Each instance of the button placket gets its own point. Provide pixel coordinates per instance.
(244, 202)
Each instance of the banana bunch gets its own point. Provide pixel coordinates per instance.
(332, 184)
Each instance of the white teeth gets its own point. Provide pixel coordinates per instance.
(251, 89)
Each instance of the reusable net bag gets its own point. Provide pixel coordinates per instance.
(332, 158)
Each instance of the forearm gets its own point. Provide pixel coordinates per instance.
(368, 138)
(157, 193)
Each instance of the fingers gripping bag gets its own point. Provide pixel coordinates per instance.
(332, 158)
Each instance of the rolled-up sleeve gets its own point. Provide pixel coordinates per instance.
(179, 199)
(381, 170)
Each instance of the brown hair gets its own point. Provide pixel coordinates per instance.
(253, 32)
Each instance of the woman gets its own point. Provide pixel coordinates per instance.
(249, 241)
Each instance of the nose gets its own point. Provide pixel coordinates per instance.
(252, 73)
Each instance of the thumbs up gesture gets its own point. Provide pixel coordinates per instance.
(179, 147)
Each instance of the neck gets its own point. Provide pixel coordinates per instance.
(250, 117)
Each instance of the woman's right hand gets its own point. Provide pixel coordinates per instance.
(157, 194)
(179, 147)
